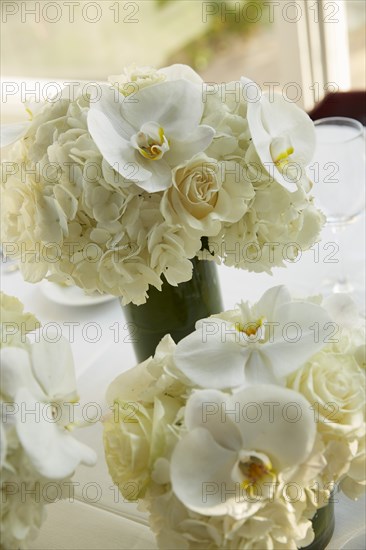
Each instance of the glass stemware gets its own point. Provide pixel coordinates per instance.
(339, 175)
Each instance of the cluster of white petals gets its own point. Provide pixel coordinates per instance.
(333, 381)
(236, 436)
(38, 453)
(119, 192)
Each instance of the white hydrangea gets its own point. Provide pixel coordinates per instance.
(279, 525)
(278, 224)
(70, 216)
(171, 449)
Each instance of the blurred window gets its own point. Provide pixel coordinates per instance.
(297, 47)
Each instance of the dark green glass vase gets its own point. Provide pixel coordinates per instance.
(175, 309)
(323, 525)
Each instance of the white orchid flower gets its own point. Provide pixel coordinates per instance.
(253, 345)
(226, 457)
(41, 382)
(143, 137)
(283, 136)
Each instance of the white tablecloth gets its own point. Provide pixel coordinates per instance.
(98, 519)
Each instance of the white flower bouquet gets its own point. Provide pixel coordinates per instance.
(38, 453)
(237, 435)
(112, 190)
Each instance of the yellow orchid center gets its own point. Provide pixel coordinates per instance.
(251, 328)
(281, 150)
(255, 471)
(151, 142)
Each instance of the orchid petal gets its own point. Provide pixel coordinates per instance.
(302, 331)
(258, 369)
(114, 148)
(284, 117)
(279, 119)
(199, 466)
(276, 421)
(160, 175)
(53, 367)
(206, 411)
(10, 133)
(271, 300)
(176, 106)
(183, 150)
(16, 372)
(111, 104)
(211, 357)
(52, 450)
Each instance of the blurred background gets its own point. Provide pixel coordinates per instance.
(303, 48)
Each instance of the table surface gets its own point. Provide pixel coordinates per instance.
(98, 518)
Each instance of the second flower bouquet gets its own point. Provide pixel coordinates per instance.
(237, 436)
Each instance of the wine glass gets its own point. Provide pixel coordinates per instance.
(338, 172)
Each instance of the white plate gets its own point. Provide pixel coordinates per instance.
(72, 295)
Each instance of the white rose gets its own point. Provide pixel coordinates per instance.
(170, 247)
(151, 378)
(206, 193)
(145, 400)
(354, 484)
(335, 386)
(135, 78)
(134, 437)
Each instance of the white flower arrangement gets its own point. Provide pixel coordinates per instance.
(38, 453)
(115, 192)
(234, 437)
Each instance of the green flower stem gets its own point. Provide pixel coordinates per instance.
(174, 310)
